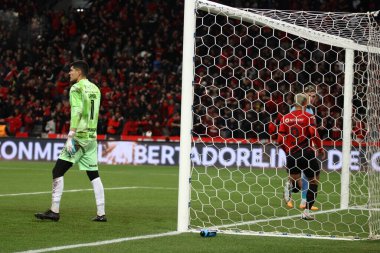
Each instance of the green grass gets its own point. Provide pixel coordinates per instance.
(255, 197)
(131, 212)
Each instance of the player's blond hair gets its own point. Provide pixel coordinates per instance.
(300, 99)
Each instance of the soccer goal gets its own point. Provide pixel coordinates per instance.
(241, 70)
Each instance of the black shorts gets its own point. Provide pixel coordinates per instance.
(303, 160)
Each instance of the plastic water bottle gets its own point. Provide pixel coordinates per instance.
(208, 233)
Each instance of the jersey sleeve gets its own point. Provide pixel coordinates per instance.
(76, 104)
(282, 132)
(316, 140)
(283, 127)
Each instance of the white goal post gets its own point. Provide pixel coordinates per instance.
(245, 196)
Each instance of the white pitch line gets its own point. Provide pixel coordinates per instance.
(276, 219)
(98, 243)
(139, 187)
(82, 190)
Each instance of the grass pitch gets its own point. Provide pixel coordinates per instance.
(140, 200)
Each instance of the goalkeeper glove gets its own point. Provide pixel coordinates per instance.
(70, 144)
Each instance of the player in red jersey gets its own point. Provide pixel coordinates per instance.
(297, 137)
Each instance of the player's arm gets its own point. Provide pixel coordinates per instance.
(282, 131)
(76, 105)
(315, 139)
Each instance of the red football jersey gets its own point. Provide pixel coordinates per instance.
(298, 131)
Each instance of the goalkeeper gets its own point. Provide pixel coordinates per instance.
(297, 134)
(81, 144)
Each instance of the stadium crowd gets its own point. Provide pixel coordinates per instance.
(134, 49)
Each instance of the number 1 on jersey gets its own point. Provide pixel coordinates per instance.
(92, 110)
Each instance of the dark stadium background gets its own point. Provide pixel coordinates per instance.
(134, 49)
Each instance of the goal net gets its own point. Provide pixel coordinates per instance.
(246, 68)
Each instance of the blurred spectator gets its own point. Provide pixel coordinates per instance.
(115, 124)
(359, 131)
(174, 124)
(14, 122)
(28, 122)
(50, 126)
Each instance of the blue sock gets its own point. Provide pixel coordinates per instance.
(305, 186)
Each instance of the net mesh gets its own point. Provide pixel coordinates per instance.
(351, 26)
(373, 124)
(246, 76)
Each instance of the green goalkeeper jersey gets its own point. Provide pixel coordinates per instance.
(84, 103)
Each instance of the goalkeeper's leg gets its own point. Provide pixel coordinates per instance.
(60, 168)
(99, 195)
(89, 162)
